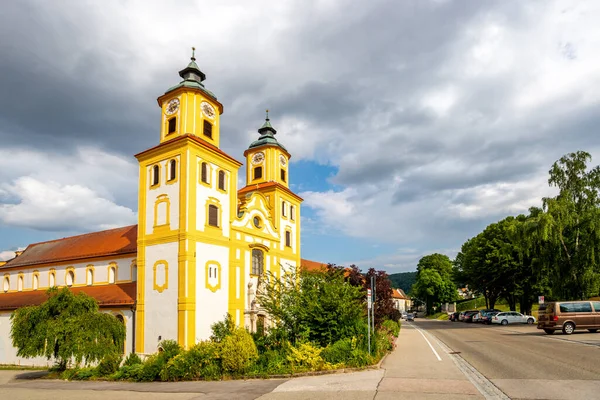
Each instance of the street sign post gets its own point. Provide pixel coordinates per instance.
(369, 318)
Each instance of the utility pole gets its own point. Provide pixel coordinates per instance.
(373, 282)
(369, 318)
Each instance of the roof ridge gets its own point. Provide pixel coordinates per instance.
(82, 234)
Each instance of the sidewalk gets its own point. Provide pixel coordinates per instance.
(419, 369)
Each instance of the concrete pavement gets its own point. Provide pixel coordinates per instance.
(419, 368)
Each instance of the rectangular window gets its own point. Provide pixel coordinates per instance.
(292, 213)
(213, 215)
(283, 208)
(257, 172)
(172, 125)
(155, 175)
(288, 238)
(204, 172)
(283, 175)
(222, 180)
(207, 129)
(172, 170)
(257, 262)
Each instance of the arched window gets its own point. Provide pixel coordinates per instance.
(155, 175)
(6, 285)
(172, 169)
(36, 281)
(52, 279)
(222, 180)
(112, 274)
(213, 215)
(292, 213)
(20, 283)
(204, 172)
(172, 125)
(89, 277)
(70, 278)
(258, 262)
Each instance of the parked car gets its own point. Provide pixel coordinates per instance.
(569, 316)
(469, 316)
(461, 316)
(476, 317)
(410, 317)
(486, 316)
(512, 317)
(453, 316)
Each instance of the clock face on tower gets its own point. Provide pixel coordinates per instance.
(172, 107)
(282, 160)
(258, 158)
(207, 109)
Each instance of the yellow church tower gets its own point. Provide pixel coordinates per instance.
(187, 199)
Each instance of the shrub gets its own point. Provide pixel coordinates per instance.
(151, 368)
(391, 327)
(169, 349)
(201, 361)
(339, 352)
(132, 359)
(238, 351)
(85, 373)
(307, 356)
(273, 362)
(109, 364)
(222, 329)
(132, 372)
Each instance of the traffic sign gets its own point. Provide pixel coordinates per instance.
(369, 298)
(540, 299)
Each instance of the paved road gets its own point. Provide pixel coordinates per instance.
(524, 362)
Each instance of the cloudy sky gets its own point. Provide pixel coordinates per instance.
(412, 125)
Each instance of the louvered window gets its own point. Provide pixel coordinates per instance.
(257, 172)
(204, 173)
(172, 124)
(213, 215)
(172, 169)
(283, 175)
(222, 180)
(288, 238)
(207, 129)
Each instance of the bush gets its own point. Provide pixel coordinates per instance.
(391, 327)
(307, 357)
(85, 373)
(132, 359)
(109, 364)
(222, 329)
(201, 361)
(348, 352)
(273, 362)
(132, 372)
(238, 351)
(151, 368)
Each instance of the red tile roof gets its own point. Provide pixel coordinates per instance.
(264, 185)
(117, 295)
(312, 265)
(112, 242)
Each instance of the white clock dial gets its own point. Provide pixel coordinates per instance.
(172, 106)
(208, 110)
(282, 160)
(258, 158)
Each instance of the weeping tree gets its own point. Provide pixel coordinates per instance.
(66, 327)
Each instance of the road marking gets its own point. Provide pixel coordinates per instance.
(484, 385)
(428, 342)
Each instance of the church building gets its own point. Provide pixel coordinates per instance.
(200, 244)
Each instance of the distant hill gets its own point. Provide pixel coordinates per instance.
(403, 280)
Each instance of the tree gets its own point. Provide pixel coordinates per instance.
(317, 305)
(66, 327)
(403, 280)
(571, 225)
(384, 305)
(434, 280)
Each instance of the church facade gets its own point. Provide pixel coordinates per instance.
(200, 245)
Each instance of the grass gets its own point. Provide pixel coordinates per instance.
(15, 367)
(442, 316)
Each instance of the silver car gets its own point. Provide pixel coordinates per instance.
(410, 317)
(512, 317)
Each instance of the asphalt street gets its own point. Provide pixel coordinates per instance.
(524, 362)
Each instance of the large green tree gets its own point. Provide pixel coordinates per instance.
(434, 283)
(66, 327)
(318, 305)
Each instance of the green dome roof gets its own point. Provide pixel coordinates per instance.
(267, 135)
(192, 78)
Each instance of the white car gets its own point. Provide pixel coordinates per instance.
(512, 317)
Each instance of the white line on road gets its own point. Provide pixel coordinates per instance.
(428, 342)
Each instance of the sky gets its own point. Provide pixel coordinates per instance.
(412, 125)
